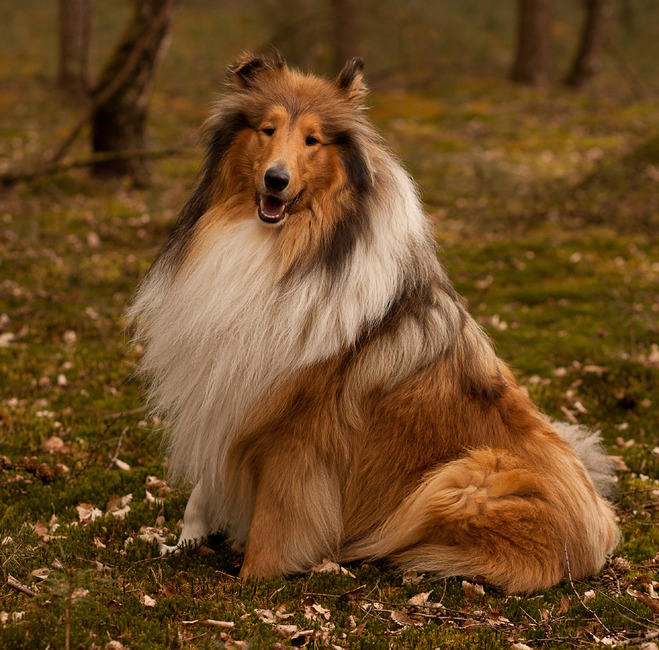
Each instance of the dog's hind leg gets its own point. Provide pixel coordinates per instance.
(196, 525)
(492, 515)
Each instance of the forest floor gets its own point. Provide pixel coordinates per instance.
(547, 213)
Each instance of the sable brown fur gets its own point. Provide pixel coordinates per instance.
(328, 394)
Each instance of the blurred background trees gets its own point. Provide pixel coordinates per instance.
(75, 46)
(108, 53)
(123, 92)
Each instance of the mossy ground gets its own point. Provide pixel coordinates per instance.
(547, 215)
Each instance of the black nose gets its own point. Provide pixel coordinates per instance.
(276, 179)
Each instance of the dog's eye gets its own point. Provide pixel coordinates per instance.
(311, 141)
(268, 130)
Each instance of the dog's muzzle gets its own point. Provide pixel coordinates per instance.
(273, 210)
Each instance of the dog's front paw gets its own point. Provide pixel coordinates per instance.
(167, 549)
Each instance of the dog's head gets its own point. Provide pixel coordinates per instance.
(291, 150)
(297, 145)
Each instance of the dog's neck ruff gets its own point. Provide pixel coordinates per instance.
(222, 330)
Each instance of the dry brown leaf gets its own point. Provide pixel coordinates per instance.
(328, 566)
(420, 599)
(150, 534)
(649, 601)
(41, 530)
(313, 611)
(147, 600)
(115, 645)
(566, 603)
(352, 594)
(402, 618)
(411, 577)
(87, 512)
(270, 617)
(40, 574)
(158, 485)
(287, 631)
(472, 591)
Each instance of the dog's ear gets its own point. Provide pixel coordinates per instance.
(351, 80)
(244, 71)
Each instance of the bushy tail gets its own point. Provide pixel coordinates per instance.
(487, 515)
(587, 446)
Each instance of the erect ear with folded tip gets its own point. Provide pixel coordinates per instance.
(245, 70)
(351, 80)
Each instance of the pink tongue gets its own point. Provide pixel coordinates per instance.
(272, 206)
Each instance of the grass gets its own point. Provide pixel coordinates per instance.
(546, 211)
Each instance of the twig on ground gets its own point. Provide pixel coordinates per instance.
(117, 450)
(15, 584)
(638, 620)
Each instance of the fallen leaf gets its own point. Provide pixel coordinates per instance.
(648, 601)
(313, 611)
(40, 574)
(150, 534)
(147, 601)
(328, 566)
(115, 645)
(471, 591)
(411, 577)
(80, 592)
(565, 604)
(87, 512)
(420, 599)
(402, 618)
(287, 631)
(154, 483)
(352, 594)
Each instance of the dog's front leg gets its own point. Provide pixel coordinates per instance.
(296, 521)
(195, 521)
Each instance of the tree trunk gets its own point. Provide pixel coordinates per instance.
(587, 61)
(75, 39)
(119, 121)
(533, 58)
(346, 31)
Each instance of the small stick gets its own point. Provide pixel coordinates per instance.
(115, 456)
(15, 584)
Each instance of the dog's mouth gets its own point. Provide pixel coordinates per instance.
(272, 210)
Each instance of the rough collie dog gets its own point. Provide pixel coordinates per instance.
(327, 393)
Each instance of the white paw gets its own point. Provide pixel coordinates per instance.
(166, 549)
